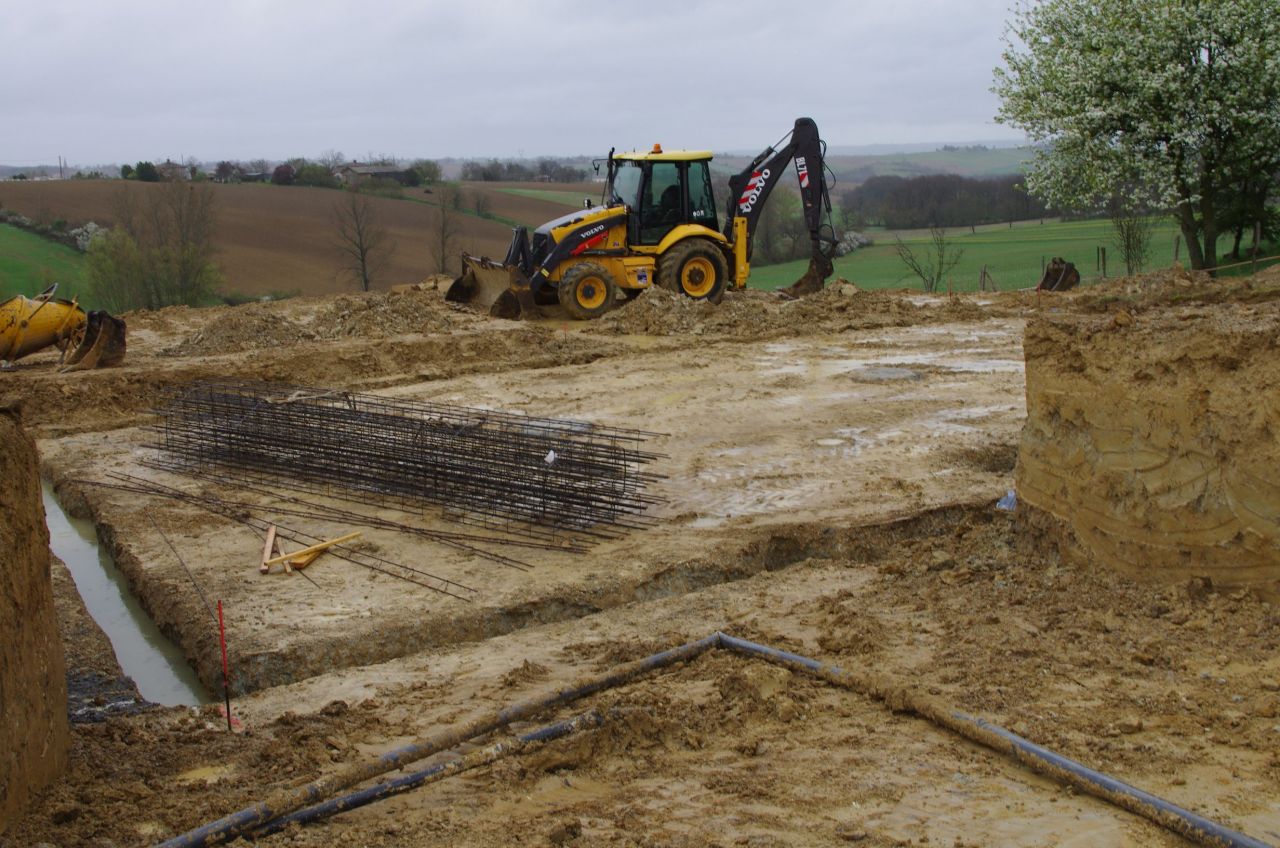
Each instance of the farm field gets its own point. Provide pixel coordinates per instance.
(29, 264)
(274, 239)
(571, 198)
(1012, 255)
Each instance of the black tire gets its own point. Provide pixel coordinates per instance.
(695, 268)
(587, 291)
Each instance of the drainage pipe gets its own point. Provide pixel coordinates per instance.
(286, 801)
(431, 774)
(897, 697)
(877, 687)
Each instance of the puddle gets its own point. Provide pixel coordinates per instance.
(880, 374)
(987, 366)
(155, 664)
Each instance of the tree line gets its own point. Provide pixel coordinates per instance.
(512, 171)
(940, 200)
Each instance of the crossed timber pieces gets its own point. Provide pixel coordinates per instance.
(299, 559)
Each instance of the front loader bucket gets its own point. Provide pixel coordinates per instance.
(486, 283)
(103, 344)
(813, 280)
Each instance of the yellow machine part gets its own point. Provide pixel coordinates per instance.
(28, 324)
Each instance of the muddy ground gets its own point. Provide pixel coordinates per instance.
(832, 468)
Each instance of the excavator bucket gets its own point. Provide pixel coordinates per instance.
(499, 287)
(813, 280)
(28, 325)
(102, 346)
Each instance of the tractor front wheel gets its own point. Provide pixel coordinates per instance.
(587, 291)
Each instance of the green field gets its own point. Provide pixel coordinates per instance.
(564, 198)
(1013, 255)
(29, 264)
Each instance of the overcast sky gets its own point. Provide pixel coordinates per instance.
(101, 82)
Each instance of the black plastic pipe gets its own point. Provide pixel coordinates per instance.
(1164, 813)
(286, 801)
(440, 771)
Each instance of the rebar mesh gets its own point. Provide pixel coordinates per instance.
(512, 471)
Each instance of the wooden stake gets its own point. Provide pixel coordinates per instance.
(268, 549)
(226, 684)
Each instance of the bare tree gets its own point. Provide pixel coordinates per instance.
(360, 237)
(933, 263)
(161, 250)
(481, 203)
(1132, 227)
(332, 159)
(444, 226)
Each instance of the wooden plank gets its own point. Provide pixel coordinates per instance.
(268, 548)
(319, 546)
(301, 562)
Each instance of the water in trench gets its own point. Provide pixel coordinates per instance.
(155, 664)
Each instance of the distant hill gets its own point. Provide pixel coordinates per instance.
(971, 161)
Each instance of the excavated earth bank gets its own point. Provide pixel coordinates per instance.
(34, 736)
(1151, 437)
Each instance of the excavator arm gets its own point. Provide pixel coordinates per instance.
(750, 190)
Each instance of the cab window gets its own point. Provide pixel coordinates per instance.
(626, 183)
(662, 206)
(702, 200)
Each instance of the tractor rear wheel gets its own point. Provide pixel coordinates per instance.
(695, 268)
(587, 291)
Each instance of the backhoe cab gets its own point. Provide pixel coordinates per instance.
(656, 225)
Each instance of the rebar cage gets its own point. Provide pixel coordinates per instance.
(504, 470)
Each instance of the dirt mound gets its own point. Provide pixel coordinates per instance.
(378, 315)
(1149, 434)
(252, 326)
(753, 313)
(1177, 286)
(255, 326)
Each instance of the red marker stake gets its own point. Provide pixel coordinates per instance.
(226, 688)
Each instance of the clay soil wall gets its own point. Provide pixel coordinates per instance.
(1150, 444)
(34, 736)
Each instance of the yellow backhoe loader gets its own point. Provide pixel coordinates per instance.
(87, 340)
(656, 225)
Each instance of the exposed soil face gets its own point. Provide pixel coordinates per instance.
(1151, 433)
(33, 693)
(832, 466)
